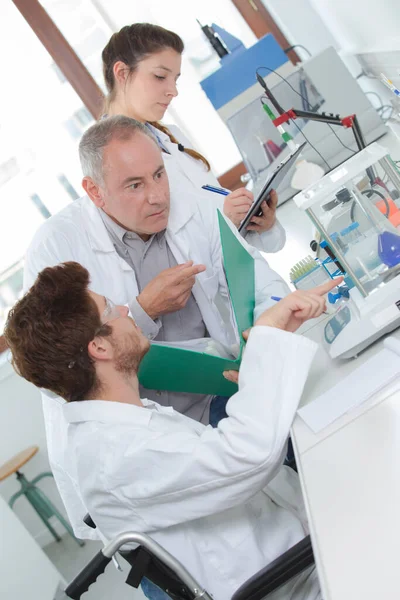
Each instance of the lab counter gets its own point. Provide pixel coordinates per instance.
(348, 471)
(351, 484)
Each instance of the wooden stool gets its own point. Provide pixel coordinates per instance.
(38, 500)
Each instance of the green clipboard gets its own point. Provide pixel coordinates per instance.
(182, 370)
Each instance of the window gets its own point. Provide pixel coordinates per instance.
(78, 122)
(71, 191)
(35, 147)
(10, 289)
(40, 206)
(8, 170)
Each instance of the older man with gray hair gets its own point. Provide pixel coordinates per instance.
(145, 248)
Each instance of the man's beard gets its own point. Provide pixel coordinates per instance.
(129, 354)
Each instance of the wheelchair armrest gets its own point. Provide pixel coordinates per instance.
(166, 569)
(279, 571)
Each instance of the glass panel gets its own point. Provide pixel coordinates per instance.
(87, 25)
(41, 121)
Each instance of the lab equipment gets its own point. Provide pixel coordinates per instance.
(333, 258)
(273, 181)
(308, 273)
(214, 40)
(216, 190)
(324, 76)
(342, 206)
(389, 84)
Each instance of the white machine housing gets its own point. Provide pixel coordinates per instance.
(374, 311)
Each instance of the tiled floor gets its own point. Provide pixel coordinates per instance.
(69, 559)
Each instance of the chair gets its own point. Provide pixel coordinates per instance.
(37, 499)
(152, 561)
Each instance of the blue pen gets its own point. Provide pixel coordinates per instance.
(216, 190)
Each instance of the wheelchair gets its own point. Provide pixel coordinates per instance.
(150, 560)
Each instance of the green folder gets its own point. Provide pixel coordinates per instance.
(183, 370)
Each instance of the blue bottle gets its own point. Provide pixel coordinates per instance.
(389, 248)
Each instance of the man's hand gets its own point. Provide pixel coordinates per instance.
(268, 218)
(237, 204)
(291, 312)
(170, 290)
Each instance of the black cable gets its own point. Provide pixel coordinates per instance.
(378, 96)
(313, 147)
(310, 106)
(383, 109)
(368, 193)
(365, 74)
(307, 140)
(286, 50)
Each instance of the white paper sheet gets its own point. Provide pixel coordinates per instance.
(354, 389)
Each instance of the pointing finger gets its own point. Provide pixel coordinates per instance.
(326, 287)
(190, 271)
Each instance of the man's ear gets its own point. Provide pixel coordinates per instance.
(94, 191)
(100, 349)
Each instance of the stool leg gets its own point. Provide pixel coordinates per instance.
(41, 509)
(15, 497)
(55, 512)
(39, 477)
(42, 505)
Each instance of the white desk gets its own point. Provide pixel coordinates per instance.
(350, 479)
(351, 483)
(349, 471)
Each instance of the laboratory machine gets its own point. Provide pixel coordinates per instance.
(355, 209)
(320, 84)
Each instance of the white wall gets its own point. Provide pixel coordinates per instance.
(360, 25)
(22, 425)
(353, 26)
(301, 24)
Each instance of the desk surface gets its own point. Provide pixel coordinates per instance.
(352, 491)
(351, 485)
(349, 471)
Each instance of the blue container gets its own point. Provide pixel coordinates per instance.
(237, 75)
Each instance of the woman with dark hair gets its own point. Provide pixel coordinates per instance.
(141, 66)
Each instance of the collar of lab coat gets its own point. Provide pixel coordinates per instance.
(104, 411)
(158, 133)
(181, 211)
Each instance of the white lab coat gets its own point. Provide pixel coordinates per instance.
(78, 233)
(185, 172)
(216, 499)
